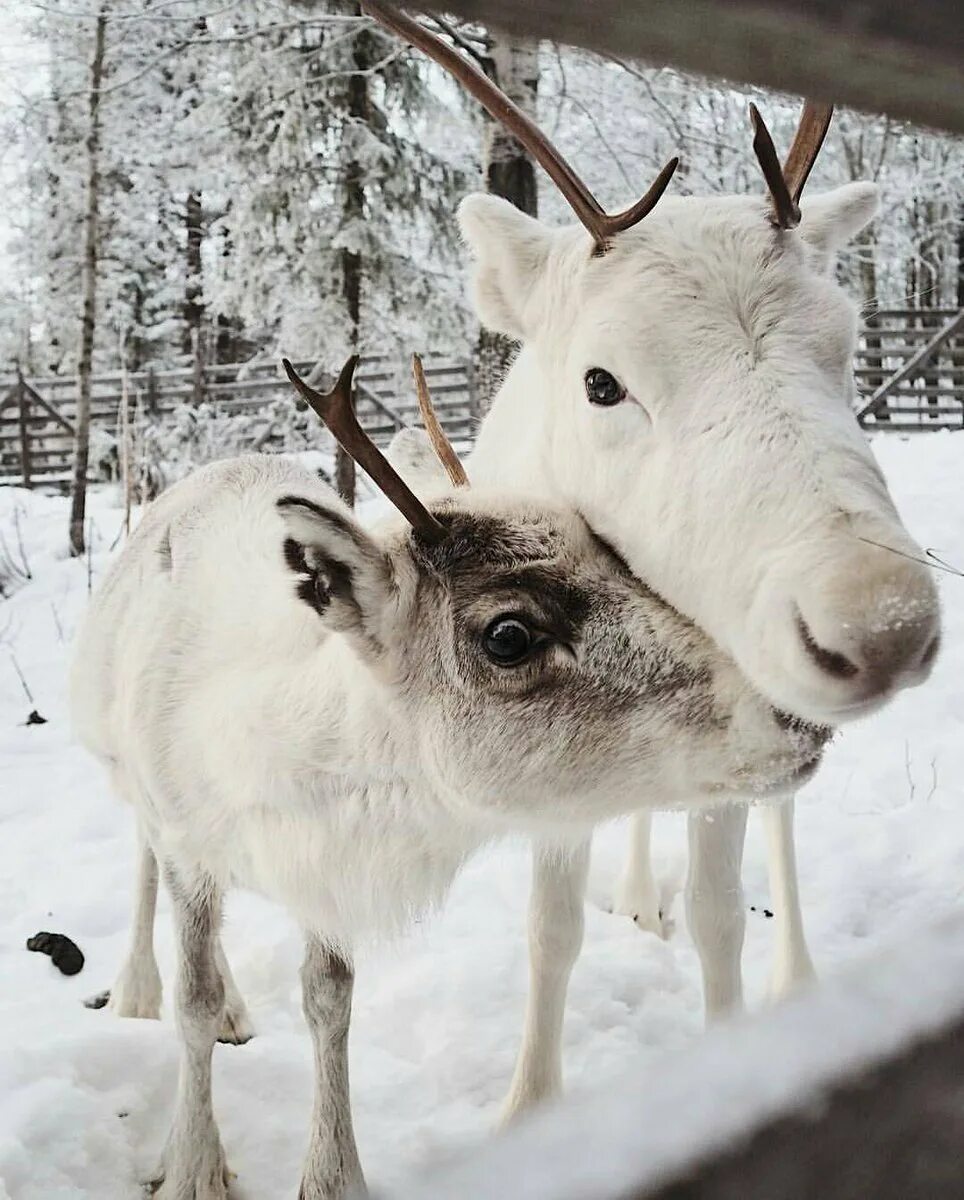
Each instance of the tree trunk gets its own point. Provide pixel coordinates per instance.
(89, 291)
(959, 288)
(353, 211)
(510, 173)
(193, 308)
(867, 267)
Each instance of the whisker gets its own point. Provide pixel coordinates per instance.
(932, 560)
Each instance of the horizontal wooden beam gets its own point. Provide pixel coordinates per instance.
(881, 56)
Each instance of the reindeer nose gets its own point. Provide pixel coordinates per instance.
(878, 661)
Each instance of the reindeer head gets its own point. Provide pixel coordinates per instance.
(685, 383)
(537, 676)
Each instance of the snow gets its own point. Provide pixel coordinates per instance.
(85, 1097)
(720, 1090)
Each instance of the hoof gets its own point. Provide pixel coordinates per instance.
(212, 1184)
(145, 1008)
(137, 993)
(236, 1028)
(98, 1000)
(644, 910)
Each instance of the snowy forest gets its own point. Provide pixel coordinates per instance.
(234, 181)
(624, 775)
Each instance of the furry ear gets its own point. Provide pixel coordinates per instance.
(339, 570)
(831, 219)
(511, 251)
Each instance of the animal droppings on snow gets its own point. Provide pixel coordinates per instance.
(63, 953)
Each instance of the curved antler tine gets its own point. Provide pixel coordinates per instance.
(337, 412)
(811, 131)
(580, 199)
(786, 214)
(643, 207)
(444, 450)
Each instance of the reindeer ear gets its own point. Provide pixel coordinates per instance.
(339, 570)
(511, 251)
(831, 219)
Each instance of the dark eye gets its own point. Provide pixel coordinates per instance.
(603, 388)
(507, 641)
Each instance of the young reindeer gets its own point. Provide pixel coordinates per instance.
(684, 382)
(338, 718)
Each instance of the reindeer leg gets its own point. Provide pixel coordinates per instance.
(332, 1169)
(555, 937)
(714, 904)
(137, 990)
(792, 966)
(236, 1028)
(193, 1165)
(636, 894)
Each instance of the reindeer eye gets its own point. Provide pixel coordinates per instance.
(603, 388)
(507, 641)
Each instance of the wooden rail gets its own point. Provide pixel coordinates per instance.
(883, 56)
(37, 415)
(909, 371)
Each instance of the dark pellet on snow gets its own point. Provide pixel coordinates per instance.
(64, 954)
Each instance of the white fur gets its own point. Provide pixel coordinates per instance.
(343, 749)
(733, 479)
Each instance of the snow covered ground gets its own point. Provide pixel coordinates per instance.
(85, 1097)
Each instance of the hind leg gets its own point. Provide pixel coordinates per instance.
(636, 894)
(137, 992)
(236, 1028)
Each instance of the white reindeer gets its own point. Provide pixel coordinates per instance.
(685, 383)
(338, 718)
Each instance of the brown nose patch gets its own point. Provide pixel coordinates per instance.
(830, 661)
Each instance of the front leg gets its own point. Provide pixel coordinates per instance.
(332, 1169)
(194, 1166)
(556, 923)
(715, 912)
(792, 965)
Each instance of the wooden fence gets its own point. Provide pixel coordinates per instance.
(909, 370)
(37, 414)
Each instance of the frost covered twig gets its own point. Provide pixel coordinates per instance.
(14, 568)
(60, 628)
(20, 675)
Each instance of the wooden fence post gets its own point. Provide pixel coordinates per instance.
(197, 348)
(151, 391)
(23, 405)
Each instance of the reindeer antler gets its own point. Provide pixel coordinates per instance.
(444, 450)
(601, 225)
(785, 184)
(338, 413)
